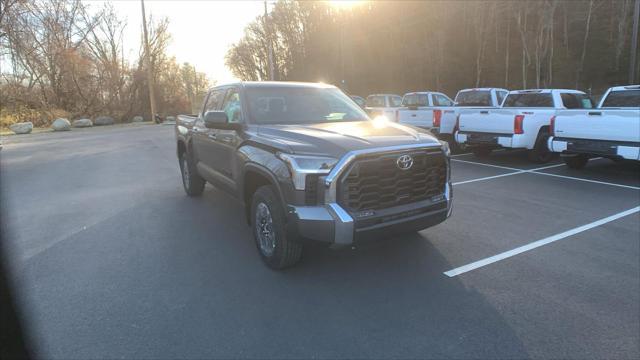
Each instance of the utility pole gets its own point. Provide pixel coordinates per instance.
(152, 97)
(634, 43)
(269, 44)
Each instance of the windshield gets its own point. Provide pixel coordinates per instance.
(415, 100)
(625, 98)
(300, 105)
(474, 98)
(529, 100)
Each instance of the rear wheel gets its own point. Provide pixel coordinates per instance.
(267, 220)
(540, 153)
(481, 152)
(191, 180)
(576, 162)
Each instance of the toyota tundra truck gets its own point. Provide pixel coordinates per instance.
(523, 122)
(612, 130)
(308, 164)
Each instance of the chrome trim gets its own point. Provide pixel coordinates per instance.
(345, 161)
(343, 225)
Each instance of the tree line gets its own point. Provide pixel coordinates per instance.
(402, 46)
(61, 58)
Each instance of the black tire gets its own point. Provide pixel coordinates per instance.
(481, 152)
(540, 153)
(281, 251)
(576, 162)
(453, 144)
(193, 183)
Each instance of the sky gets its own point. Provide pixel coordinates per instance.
(202, 31)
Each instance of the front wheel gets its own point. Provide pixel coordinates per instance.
(191, 180)
(576, 162)
(267, 220)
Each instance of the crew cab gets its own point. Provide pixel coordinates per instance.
(383, 105)
(425, 109)
(308, 164)
(523, 122)
(611, 130)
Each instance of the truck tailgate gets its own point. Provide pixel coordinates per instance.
(597, 124)
(498, 121)
(421, 117)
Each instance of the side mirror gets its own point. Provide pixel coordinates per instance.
(215, 119)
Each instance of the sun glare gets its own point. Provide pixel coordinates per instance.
(345, 4)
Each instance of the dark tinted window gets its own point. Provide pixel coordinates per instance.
(375, 101)
(500, 95)
(395, 101)
(415, 100)
(626, 98)
(576, 101)
(300, 105)
(529, 100)
(440, 100)
(474, 98)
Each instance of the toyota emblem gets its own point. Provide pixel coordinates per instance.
(404, 162)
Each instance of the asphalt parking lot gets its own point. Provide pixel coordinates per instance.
(112, 260)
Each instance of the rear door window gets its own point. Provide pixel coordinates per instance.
(625, 98)
(214, 101)
(441, 100)
(395, 101)
(528, 100)
(576, 101)
(415, 100)
(375, 101)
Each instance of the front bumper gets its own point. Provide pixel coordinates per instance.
(618, 149)
(331, 223)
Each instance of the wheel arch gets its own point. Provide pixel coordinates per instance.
(253, 177)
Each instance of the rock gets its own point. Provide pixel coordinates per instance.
(80, 123)
(61, 124)
(22, 128)
(103, 120)
(137, 119)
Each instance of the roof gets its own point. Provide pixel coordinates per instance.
(482, 89)
(625, 88)
(288, 84)
(545, 91)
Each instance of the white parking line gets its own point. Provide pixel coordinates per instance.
(487, 178)
(489, 165)
(519, 250)
(586, 180)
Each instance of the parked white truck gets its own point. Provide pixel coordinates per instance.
(425, 109)
(611, 130)
(522, 123)
(383, 104)
(441, 120)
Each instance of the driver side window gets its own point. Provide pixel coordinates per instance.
(232, 106)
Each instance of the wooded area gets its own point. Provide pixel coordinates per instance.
(64, 59)
(402, 46)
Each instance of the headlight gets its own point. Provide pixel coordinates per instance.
(301, 165)
(445, 148)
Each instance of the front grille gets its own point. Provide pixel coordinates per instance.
(376, 182)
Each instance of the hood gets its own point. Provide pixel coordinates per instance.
(337, 138)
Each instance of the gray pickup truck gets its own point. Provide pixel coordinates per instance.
(308, 164)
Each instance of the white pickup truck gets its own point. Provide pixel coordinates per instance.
(611, 130)
(522, 122)
(425, 109)
(383, 104)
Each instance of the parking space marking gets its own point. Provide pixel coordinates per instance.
(487, 178)
(586, 180)
(536, 244)
(489, 165)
